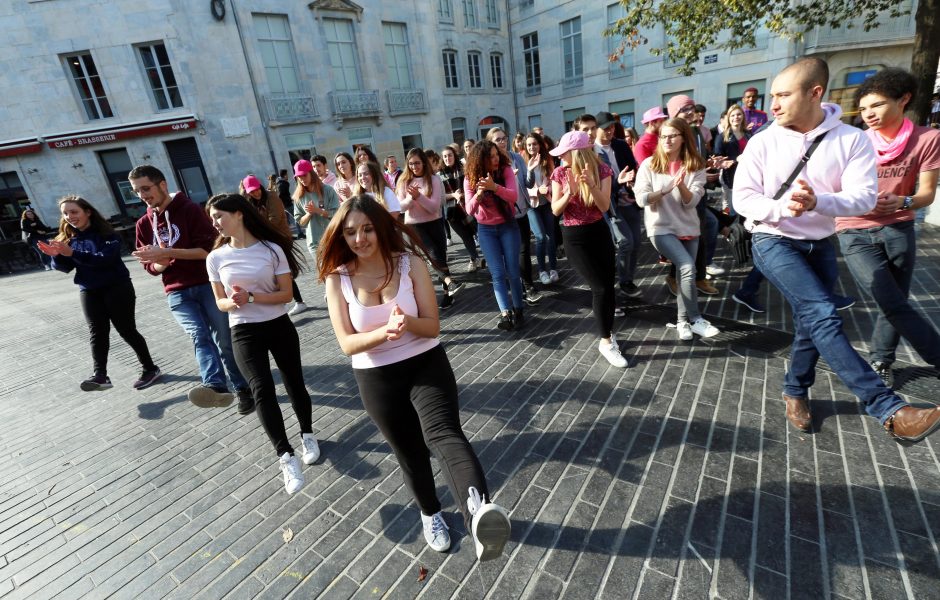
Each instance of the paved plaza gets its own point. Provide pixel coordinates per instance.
(676, 478)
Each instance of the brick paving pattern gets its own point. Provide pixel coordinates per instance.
(678, 477)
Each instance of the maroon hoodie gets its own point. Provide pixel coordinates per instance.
(184, 224)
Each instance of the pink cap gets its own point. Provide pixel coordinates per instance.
(573, 140)
(302, 167)
(251, 184)
(677, 103)
(654, 114)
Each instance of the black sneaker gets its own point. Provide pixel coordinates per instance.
(748, 301)
(96, 383)
(531, 296)
(505, 321)
(843, 302)
(204, 396)
(631, 290)
(518, 318)
(246, 402)
(147, 378)
(884, 371)
(453, 287)
(446, 302)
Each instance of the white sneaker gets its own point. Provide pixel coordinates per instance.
(435, 532)
(293, 478)
(612, 353)
(704, 328)
(489, 527)
(714, 270)
(472, 266)
(685, 331)
(545, 278)
(553, 276)
(311, 450)
(297, 308)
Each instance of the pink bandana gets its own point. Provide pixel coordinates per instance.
(886, 151)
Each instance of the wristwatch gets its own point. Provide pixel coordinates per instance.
(908, 202)
(251, 298)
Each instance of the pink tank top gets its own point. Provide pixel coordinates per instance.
(370, 318)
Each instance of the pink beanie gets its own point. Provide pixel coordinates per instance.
(677, 102)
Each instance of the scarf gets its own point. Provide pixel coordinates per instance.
(886, 151)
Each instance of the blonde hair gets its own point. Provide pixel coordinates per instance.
(584, 160)
(727, 132)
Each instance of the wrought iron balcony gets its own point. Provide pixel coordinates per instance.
(406, 102)
(349, 105)
(287, 108)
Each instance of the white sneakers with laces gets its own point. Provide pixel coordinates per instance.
(293, 478)
(685, 330)
(553, 276)
(704, 328)
(490, 526)
(611, 351)
(299, 307)
(545, 278)
(435, 532)
(310, 449)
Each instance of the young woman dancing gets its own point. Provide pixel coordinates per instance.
(381, 302)
(369, 180)
(88, 244)
(251, 269)
(345, 182)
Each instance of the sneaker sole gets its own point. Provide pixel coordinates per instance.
(751, 308)
(207, 398)
(90, 386)
(492, 533)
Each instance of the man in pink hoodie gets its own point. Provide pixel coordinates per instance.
(791, 234)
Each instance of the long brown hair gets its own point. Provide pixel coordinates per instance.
(477, 166)
(406, 175)
(688, 154)
(316, 186)
(378, 182)
(392, 236)
(257, 225)
(96, 222)
(547, 162)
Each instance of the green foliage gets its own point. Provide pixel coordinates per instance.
(693, 26)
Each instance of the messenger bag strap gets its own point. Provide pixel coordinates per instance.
(799, 167)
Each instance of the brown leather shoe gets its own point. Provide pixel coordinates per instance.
(913, 424)
(705, 287)
(798, 413)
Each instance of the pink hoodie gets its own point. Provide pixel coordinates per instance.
(841, 172)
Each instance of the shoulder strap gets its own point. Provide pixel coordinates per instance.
(799, 167)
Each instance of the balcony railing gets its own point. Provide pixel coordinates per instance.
(406, 102)
(291, 108)
(349, 105)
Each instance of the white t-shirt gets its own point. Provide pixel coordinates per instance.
(391, 200)
(254, 269)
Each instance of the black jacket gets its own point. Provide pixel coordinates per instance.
(732, 150)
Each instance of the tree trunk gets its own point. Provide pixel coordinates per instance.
(925, 57)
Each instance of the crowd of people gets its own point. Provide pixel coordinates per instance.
(376, 232)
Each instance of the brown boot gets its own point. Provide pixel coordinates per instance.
(798, 413)
(705, 287)
(913, 424)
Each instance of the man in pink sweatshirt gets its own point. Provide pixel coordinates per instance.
(791, 234)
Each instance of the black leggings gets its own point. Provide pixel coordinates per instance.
(251, 344)
(457, 219)
(433, 236)
(296, 291)
(113, 304)
(414, 404)
(525, 256)
(591, 252)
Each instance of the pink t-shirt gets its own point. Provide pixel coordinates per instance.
(370, 318)
(644, 147)
(899, 176)
(576, 213)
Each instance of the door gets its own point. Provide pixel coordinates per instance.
(187, 166)
(117, 164)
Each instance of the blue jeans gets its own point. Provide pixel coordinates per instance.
(709, 231)
(682, 254)
(195, 310)
(751, 284)
(881, 259)
(626, 240)
(805, 272)
(542, 223)
(501, 245)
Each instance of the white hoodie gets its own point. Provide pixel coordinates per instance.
(841, 172)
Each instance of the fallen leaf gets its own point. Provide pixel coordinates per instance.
(288, 535)
(422, 573)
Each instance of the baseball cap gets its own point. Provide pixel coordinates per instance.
(302, 167)
(654, 114)
(251, 184)
(573, 140)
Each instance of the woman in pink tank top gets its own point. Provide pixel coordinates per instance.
(383, 310)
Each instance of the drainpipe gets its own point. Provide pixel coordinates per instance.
(254, 88)
(512, 68)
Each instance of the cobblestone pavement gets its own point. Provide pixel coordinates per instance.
(678, 477)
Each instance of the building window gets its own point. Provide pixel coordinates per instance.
(570, 115)
(300, 146)
(458, 130)
(341, 46)
(277, 53)
(533, 71)
(469, 14)
(496, 70)
(89, 86)
(159, 73)
(445, 11)
(535, 121)
(623, 66)
(492, 15)
(411, 136)
(396, 55)
(571, 51)
(451, 76)
(473, 65)
(360, 136)
(625, 110)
